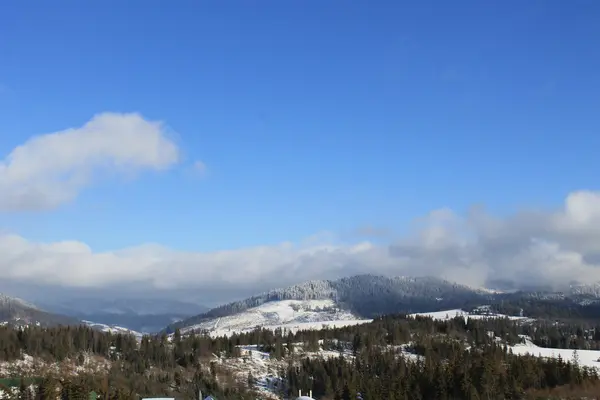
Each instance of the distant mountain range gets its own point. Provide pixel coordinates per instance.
(354, 298)
(17, 312)
(141, 315)
(115, 315)
(367, 296)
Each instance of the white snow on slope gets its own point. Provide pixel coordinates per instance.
(587, 358)
(291, 315)
(112, 329)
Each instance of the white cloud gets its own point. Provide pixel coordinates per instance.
(50, 170)
(550, 248)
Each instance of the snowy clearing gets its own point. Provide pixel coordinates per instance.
(291, 315)
(588, 358)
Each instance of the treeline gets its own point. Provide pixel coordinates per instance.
(59, 343)
(548, 308)
(446, 371)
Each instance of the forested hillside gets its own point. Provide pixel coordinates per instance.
(364, 295)
(397, 357)
(394, 357)
(131, 369)
(369, 296)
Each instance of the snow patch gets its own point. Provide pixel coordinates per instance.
(112, 329)
(289, 315)
(588, 358)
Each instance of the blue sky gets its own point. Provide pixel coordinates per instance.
(310, 116)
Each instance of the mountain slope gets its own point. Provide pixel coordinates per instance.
(591, 290)
(364, 296)
(112, 329)
(285, 314)
(14, 311)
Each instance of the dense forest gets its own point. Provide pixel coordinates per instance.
(548, 307)
(154, 366)
(446, 372)
(394, 357)
(398, 357)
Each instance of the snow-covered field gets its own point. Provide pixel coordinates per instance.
(295, 315)
(587, 358)
(112, 329)
(291, 315)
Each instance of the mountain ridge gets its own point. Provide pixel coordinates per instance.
(147, 315)
(18, 312)
(365, 295)
(368, 296)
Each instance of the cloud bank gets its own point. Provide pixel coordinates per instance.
(531, 247)
(50, 170)
(551, 248)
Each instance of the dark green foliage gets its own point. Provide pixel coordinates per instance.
(486, 373)
(447, 370)
(460, 359)
(176, 367)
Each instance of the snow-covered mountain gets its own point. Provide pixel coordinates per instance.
(363, 296)
(18, 313)
(366, 296)
(289, 315)
(14, 311)
(580, 293)
(112, 329)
